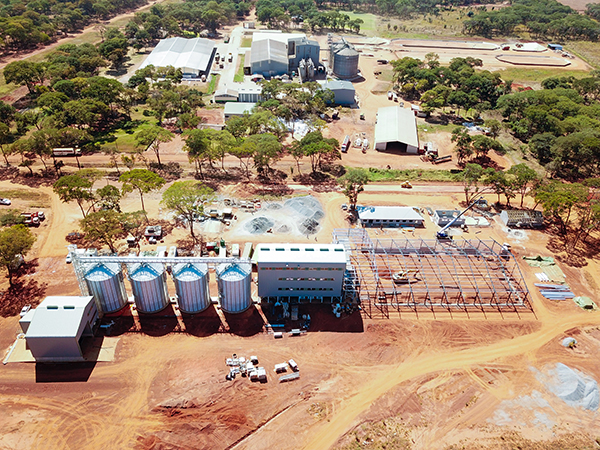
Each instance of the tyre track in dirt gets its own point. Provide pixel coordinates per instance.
(349, 410)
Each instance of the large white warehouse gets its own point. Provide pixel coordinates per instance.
(300, 270)
(192, 56)
(396, 130)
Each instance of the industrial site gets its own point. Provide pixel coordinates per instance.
(273, 233)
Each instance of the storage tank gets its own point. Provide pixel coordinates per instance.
(191, 285)
(148, 282)
(345, 60)
(234, 282)
(105, 283)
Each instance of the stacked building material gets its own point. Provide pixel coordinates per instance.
(555, 291)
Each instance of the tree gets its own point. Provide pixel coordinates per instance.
(268, 150)
(152, 138)
(15, 243)
(187, 199)
(523, 178)
(498, 181)
(245, 153)
(353, 183)
(25, 72)
(198, 148)
(471, 177)
(108, 198)
(103, 226)
(141, 180)
(75, 187)
(463, 140)
(559, 199)
(494, 127)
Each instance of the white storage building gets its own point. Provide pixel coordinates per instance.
(304, 271)
(57, 327)
(192, 56)
(237, 109)
(396, 130)
(343, 91)
(389, 216)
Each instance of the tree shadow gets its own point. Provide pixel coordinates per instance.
(271, 190)
(320, 181)
(21, 293)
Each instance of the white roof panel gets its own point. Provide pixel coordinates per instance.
(275, 35)
(300, 253)
(388, 213)
(396, 124)
(181, 53)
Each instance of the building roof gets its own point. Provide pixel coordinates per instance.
(388, 213)
(58, 317)
(180, 53)
(226, 93)
(275, 35)
(396, 124)
(238, 108)
(447, 212)
(338, 85)
(524, 216)
(303, 40)
(269, 50)
(300, 253)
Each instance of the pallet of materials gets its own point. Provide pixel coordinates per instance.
(289, 377)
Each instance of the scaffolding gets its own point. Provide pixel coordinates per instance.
(392, 275)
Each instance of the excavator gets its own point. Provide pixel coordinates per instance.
(406, 276)
(442, 234)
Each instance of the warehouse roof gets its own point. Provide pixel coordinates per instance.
(59, 317)
(300, 253)
(269, 50)
(396, 124)
(388, 213)
(275, 35)
(238, 108)
(336, 85)
(180, 53)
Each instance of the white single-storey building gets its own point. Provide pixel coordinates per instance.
(300, 270)
(389, 216)
(192, 56)
(443, 217)
(225, 95)
(237, 109)
(57, 327)
(396, 130)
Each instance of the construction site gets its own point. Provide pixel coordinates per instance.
(389, 275)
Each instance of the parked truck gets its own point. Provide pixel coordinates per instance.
(69, 151)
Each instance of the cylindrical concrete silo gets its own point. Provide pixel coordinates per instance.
(345, 62)
(235, 288)
(191, 284)
(105, 283)
(148, 282)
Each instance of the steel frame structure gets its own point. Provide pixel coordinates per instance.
(467, 275)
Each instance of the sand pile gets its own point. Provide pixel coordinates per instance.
(573, 387)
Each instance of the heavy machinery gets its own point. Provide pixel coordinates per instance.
(405, 276)
(442, 234)
(406, 185)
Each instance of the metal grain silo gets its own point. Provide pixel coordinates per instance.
(191, 284)
(235, 287)
(148, 282)
(345, 60)
(105, 283)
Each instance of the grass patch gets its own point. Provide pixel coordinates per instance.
(537, 75)
(239, 75)
(369, 21)
(246, 42)
(411, 175)
(588, 51)
(123, 139)
(37, 198)
(212, 85)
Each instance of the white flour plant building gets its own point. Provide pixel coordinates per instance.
(303, 271)
(57, 327)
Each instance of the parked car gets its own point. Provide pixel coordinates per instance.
(5, 201)
(25, 310)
